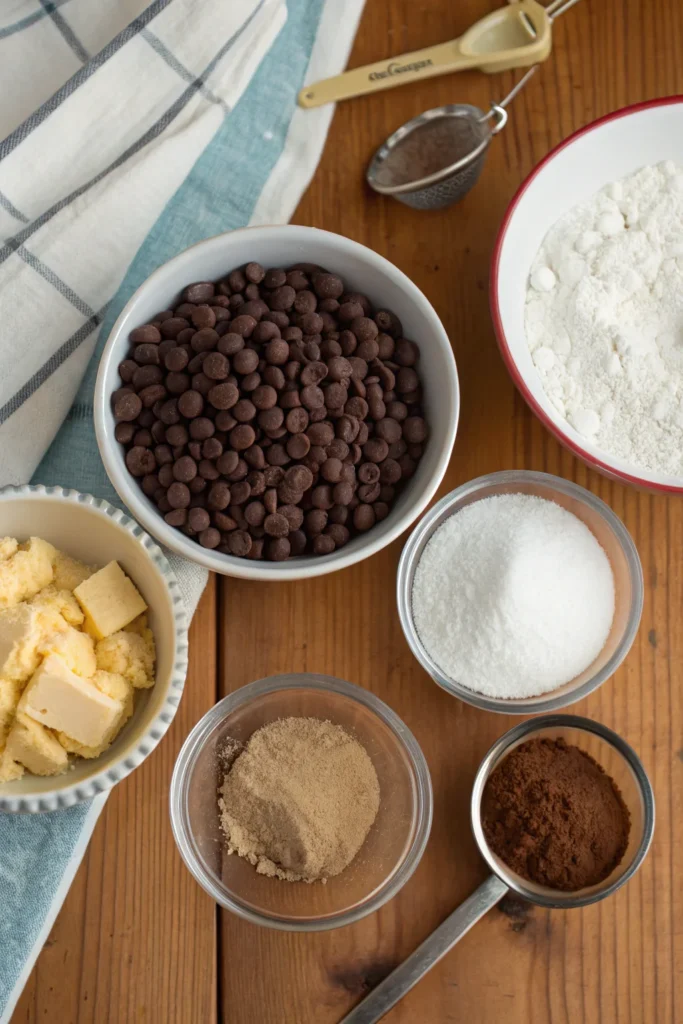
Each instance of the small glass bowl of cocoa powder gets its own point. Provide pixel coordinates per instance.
(393, 846)
(616, 823)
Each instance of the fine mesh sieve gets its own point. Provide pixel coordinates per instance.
(619, 761)
(434, 159)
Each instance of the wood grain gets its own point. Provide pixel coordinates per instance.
(136, 939)
(612, 962)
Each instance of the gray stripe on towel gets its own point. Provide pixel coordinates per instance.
(65, 29)
(9, 206)
(30, 19)
(16, 137)
(52, 364)
(12, 244)
(180, 69)
(49, 275)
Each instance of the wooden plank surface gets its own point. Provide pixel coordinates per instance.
(615, 961)
(137, 940)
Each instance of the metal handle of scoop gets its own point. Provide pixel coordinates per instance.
(498, 109)
(400, 981)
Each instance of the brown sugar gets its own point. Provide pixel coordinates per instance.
(299, 800)
(554, 816)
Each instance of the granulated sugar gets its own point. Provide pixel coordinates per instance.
(513, 596)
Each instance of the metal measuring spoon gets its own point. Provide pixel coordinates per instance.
(434, 159)
(619, 760)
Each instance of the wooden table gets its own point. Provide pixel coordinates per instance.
(137, 940)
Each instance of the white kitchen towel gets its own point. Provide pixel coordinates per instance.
(105, 108)
(253, 170)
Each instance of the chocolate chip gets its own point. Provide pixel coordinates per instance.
(274, 377)
(254, 273)
(127, 407)
(244, 411)
(210, 538)
(172, 326)
(224, 396)
(123, 432)
(281, 386)
(219, 496)
(255, 513)
(278, 549)
(176, 517)
(277, 352)
(276, 525)
(198, 519)
(242, 437)
(282, 298)
(339, 534)
(245, 361)
(140, 461)
(323, 544)
(145, 335)
(251, 382)
(415, 430)
(178, 495)
(216, 366)
(328, 286)
(297, 542)
(312, 397)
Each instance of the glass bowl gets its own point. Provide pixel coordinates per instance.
(394, 844)
(611, 534)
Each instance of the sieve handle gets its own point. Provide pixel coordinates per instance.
(400, 981)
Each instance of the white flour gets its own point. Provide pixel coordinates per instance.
(604, 318)
(513, 596)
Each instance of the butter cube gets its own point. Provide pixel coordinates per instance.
(110, 601)
(60, 699)
(10, 771)
(119, 689)
(20, 634)
(36, 748)
(10, 692)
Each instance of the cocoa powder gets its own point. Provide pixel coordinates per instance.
(554, 816)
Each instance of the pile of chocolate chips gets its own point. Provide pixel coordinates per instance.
(271, 414)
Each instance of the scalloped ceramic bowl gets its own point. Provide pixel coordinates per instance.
(96, 533)
(607, 149)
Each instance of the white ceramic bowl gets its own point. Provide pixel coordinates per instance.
(362, 270)
(607, 149)
(96, 533)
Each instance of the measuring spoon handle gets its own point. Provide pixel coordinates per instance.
(442, 939)
(385, 74)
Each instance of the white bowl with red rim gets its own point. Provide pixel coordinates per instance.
(606, 150)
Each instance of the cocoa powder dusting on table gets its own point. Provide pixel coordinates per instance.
(554, 816)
